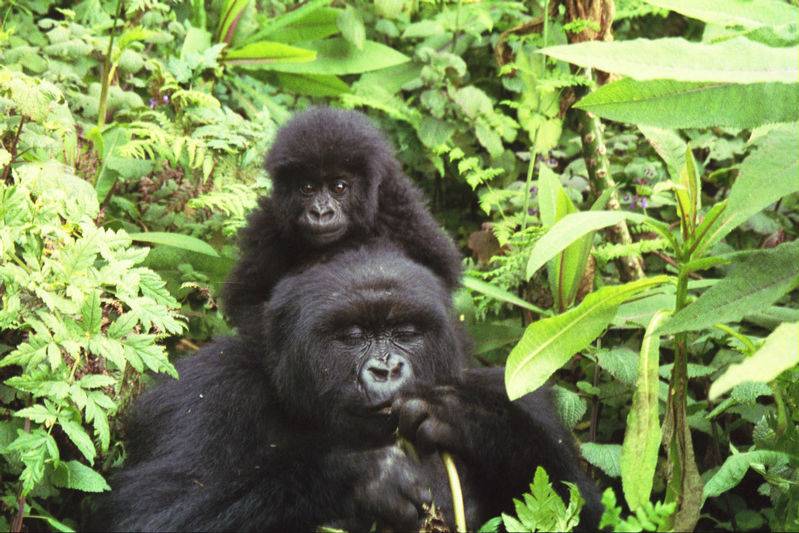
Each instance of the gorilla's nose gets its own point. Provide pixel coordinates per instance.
(321, 215)
(384, 377)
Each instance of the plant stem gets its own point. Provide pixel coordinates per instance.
(528, 185)
(456, 491)
(14, 145)
(103, 106)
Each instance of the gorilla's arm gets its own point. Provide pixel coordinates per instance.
(404, 218)
(264, 259)
(501, 442)
(213, 452)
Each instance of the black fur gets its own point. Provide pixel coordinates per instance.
(277, 434)
(320, 144)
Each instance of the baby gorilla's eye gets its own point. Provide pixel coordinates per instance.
(351, 335)
(340, 186)
(307, 188)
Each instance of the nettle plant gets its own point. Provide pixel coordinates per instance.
(80, 318)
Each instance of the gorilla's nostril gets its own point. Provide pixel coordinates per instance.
(397, 370)
(379, 374)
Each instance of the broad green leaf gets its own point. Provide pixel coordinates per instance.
(231, 13)
(779, 352)
(351, 25)
(677, 104)
(79, 438)
(688, 193)
(178, 240)
(565, 271)
(76, 475)
(734, 468)
(766, 175)
(308, 22)
(264, 53)
(502, 295)
(336, 57)
(571, 228)
(548, 344)
(755, 281)
(571, 406)
(619, 362)
(669, 146)
(745, 13)
(606, 457)
(312, 84)
(734, 61)
(639, 455)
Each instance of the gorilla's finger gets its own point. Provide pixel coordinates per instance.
(432, 434)
(412, 413)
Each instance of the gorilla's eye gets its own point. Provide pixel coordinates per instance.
(406, 332)
(340, 186)
(307, 188)
(352, 335)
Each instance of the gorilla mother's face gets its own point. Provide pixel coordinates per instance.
(354, 332)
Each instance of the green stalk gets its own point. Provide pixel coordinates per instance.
(102, 107)
(456, 491)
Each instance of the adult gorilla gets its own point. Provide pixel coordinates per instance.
(297, 430)
(337, 185)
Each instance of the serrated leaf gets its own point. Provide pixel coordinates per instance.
(621, 363)
(75, 475)
(152, 286)
(745, 13)
(549, 343)
(571, 407)
(38, 413)
(676, 104)
(96, 381)
(606, 457)
(779, 352)
(639, 454)
(79, 438)
(755, 281)
(734, 468)
(734, 61)
(177, 240)
(91, 313)
(770, 172)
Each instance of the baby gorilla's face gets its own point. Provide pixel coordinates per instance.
(324, 217)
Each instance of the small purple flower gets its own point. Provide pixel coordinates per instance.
(532, 212)
(165, 99)
(152, 103)
(533, 190)
(643, 202)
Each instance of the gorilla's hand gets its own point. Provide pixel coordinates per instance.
(445, 418)
(391, 489)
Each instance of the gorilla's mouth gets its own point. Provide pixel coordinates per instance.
(326, 233)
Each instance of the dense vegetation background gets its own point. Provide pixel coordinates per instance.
(622, 179)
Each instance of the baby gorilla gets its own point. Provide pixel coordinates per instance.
(297, 428)
(336, 184)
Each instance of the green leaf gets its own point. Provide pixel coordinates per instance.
(755, 281)
(502, 295)
(766, 175)
(606, 457)
(745, 13)
(177, 240)
(263, 53)
(231, 13)
(308, 22)
(91, 313)
(734, 468)
(734, 61)
(669, 146)
(568, 230)
(76, 475)
(96, 381)
(565, 272)
(548, 344)
(571, 406)
(639, 454)
(79, 438)
(312, 84)
(337, 57)
(620, 362)
(676, 104)
(351, 25)
(779, 352)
